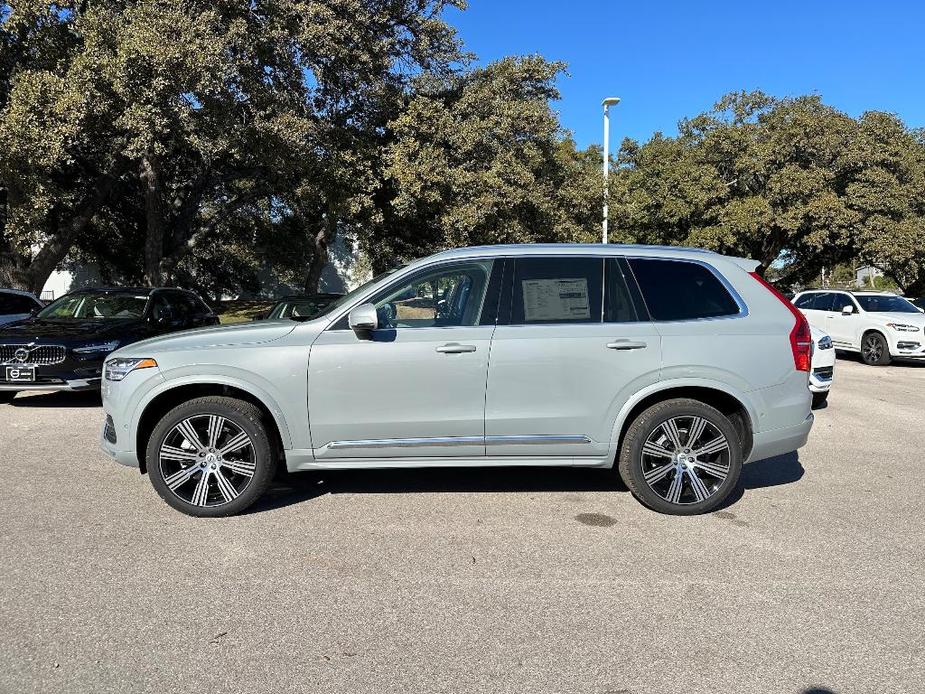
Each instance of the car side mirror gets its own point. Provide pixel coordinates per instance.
(847, 310)
(363, 318)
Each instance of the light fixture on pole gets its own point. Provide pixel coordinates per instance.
(607, 103)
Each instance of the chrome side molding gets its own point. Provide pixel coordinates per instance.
(462, 441)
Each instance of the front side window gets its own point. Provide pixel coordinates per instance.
(886, 304)
(680, 290)
(103, 306)
(557, 290)
(448, 296)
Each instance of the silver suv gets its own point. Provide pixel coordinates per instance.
(674, 365)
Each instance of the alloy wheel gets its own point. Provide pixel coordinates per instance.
(207, 460)
(873, 349)
(685, 460)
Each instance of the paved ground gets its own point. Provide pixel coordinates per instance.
(459, 581)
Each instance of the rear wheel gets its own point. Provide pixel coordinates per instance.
(7, 396)
(819, 399)
(211, 456)
(681, 457)
(874, 350)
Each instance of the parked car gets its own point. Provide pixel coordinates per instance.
(63, 346)
(16, 305)
(879, 325)
(674, 365)
(299, 306)
(823, 367)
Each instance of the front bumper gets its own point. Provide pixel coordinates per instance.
(56, 385)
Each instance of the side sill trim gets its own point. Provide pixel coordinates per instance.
(460, 441)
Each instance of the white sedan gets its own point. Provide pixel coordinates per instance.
(823, 367)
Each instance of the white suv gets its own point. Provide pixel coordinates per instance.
(879, 325)
(674, 365)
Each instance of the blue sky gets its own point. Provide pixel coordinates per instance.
(667, 60)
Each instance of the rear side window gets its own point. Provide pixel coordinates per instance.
(15, 303)
(680, 290)
(805, 302)
(557, 290)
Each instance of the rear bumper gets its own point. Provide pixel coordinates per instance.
(72, 385)
(768, 444)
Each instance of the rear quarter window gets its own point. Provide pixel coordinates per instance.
(681, 290)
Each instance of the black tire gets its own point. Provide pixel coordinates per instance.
(7, 396)
(874, 349)
(819, 399)
(634, 465)
(260, 452)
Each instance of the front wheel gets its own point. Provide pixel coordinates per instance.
(7, 396)
(211, 456)
(681, 457)
(819, 399)
(874, 350)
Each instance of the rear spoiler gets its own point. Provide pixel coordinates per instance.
(746, 264)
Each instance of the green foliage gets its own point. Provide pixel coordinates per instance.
(781, 179)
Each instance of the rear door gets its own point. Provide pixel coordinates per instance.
(571, 346)
(816, 306)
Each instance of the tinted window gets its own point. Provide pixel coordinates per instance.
(619, 305)
(806, 301)
(103, 306)
(680, 290)
(557, 290)
(886, 304)
(15, 303)
(448, 296)
(300, 309)
(839, 301)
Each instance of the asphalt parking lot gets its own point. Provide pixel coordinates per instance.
(525, 580)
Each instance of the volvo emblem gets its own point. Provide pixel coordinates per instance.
(21, 354)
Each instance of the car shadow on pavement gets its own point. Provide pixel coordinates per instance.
(303, 486)
(770, 472)
(897, 361)
(87, 398)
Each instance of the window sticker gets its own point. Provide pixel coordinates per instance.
(565, 299)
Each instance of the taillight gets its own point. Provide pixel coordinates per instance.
(801, 339)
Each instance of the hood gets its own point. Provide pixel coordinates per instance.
(223, 336)
(907, 318)
(43, 330)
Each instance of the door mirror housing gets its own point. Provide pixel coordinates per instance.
(363, 318)
(847, 310)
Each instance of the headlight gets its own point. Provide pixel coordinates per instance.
(117, 369)
(903, 327)
(101, 347)
(825, 342)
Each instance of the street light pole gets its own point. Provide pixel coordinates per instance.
(607, 103)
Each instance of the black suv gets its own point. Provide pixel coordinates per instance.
(62, 347)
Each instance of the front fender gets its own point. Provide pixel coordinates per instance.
(247, 381)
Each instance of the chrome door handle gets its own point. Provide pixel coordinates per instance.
(625, 345)
(455, 348)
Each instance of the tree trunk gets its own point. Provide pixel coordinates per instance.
(31, 273)
(156, 222)
(323, 239)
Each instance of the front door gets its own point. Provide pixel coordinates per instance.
(415, 387)
(842, 327)
(570, 348)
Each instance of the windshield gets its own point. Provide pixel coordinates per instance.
(885, 304)
(349, 297)
(300, 309)
(102, 306)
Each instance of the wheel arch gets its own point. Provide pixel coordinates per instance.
(723, 399)
(168, 398)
